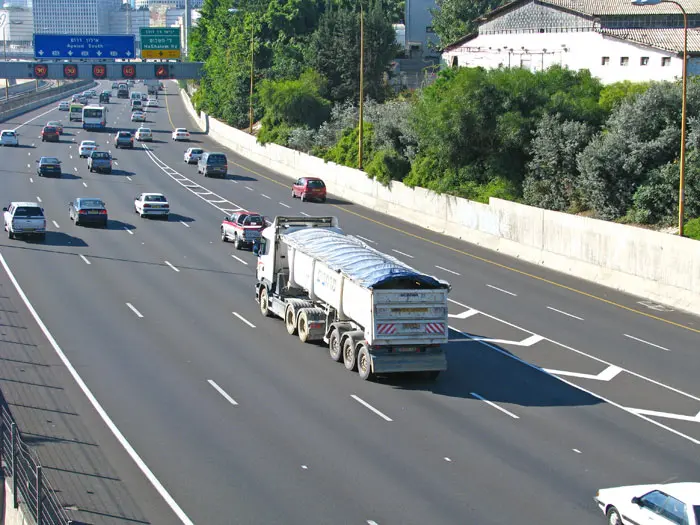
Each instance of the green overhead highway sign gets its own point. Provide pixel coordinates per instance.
(160, 42)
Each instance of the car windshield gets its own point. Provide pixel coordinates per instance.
(216, 159)
(48, 160)
(155, 198)
(28, 211)
(100, 155)
(91, 203)
(316, 184)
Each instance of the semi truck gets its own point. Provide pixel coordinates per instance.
(152, 86)
(376, 314)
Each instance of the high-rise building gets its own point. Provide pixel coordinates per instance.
(73, 17)
(129, 22)
(176, 4)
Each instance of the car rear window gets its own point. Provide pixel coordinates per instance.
(91, 203)
(100, 155)
(8, 134)
(125, 134)
(48, 160)
(253, 220)
(28, 211)
(197, 151)
(155, 198)
(216, 158)
(315, 184)
(49, 129)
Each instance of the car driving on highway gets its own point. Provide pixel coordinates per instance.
(48, 167)
(63, 106)
(181, 134)
(123, 139)
(9, 137)
(192, 155)
(86, 148)
(306, 188)
(152, 204)
(56, 124)
(662, 504)
(144, 134)
(151, 103)
(100, 161)
(85, 210)
(243, 228)
(212, 163)
(138, 116)
(50, 134)
(24, 218)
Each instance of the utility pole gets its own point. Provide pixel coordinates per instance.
(188, 26)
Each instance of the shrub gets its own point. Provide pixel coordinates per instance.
(692, 229)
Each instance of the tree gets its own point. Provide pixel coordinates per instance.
(614, 94)
(453, 19)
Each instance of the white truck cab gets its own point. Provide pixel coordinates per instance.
(24, 218)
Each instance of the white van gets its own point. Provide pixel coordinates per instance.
(136, 104)
(137, 95)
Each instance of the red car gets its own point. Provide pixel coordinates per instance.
(307, 188)
(50, 133)
(243, 228)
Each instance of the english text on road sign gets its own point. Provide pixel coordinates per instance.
(62, 47)
(160, 42)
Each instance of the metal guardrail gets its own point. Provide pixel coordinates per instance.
(29, 486)
(14, 105)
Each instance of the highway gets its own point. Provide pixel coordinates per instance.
(556, 387)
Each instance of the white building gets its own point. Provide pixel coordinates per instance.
(613, 39)
(129, 22)
(73, 17)
(17, 27)
(176, 17)
(175, 4)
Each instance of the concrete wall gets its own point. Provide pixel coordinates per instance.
(21, 105)
(655, 266)
(14, 516)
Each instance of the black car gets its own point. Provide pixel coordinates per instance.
(104, 96)
(48, 167)
(85, 210)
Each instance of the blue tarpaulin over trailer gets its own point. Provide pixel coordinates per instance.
(357, 261)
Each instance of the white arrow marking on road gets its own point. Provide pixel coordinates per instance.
(606, 375)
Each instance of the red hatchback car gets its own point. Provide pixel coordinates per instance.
(49, 133)
(307, 188)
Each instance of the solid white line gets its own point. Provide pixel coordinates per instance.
(93, 401)
(249, 188)
(131, 307)
(55, 224)
(38, 199)
(366, 239)
(402, 253)
(85, 184)
(646, 342)
(222, 392)
(305, 214)
(445, 269)
(366, 404)
(564, 313)
(239, 260)
(264, 195)
(184, 224)
(494, 405)
(166, 262)
(285, 205)
(243, 319)
(502, 290)
(84, 259)
(33, 119)
(128, 231)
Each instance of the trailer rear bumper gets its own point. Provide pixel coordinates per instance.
(389, 363)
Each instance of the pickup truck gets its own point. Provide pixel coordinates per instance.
(24, 218)
(123, 139)
(100, 161)
(243, 228)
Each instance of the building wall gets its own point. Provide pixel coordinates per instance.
(574, 50)
(18, 26)
(177, 4)
(418, 23)
(83, 17)
(120, 24)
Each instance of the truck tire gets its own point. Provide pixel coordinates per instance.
(349, 355)
(264, 306)
(290, 319)
(334, 348)
(364, 362)
(303, 327)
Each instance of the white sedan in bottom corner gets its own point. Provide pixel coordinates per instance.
(148, 204)
(181, 134)
(662, 504)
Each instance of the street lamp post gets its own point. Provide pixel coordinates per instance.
(681, 188)
(4, 49)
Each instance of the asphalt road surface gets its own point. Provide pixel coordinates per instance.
(556, 387)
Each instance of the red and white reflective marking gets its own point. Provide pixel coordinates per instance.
(435, 328)
(386, 329)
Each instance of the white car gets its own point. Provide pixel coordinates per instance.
(152, 204)
(151, 103)
(144, 134)
(63, 106)
(24, 218)
(86, 148)
(661, 504)
(8, 137)
(192, 155)
(138, 116)
(181, 134)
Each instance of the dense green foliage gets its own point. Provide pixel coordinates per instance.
(692, 229)
(453, 19)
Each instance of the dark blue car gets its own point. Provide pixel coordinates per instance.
(85, 210)
(48, 167)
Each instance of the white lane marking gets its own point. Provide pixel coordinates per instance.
(464, 315)
(445, 269)
(576, 450)
(33, 119)
(285, 205)
(402, 253)
(84, 259)
(366, 239)
(502, 290)
(169, 264)
(447, 459)
(305, 214)
(128, 178)
(265, 196)
(85, 184)
(367, 405)
(75, 169)
(243, 319)
(38, 199)
(304, 467)
(565, 313)
(93, 401)
(249, 188)
(31, 180)
(239, 260)
(372, 522)
(33, 144)
(29, 154)
(222, 392)
(29, 165)
(646, 342)
(55, 224)
(528, 341)
(133, 309)
(494, 405)
(606, 375)
(128, 231)
(71, 156)
(184, 224)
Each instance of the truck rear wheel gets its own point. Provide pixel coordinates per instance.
(264, 307)
(334, 347)
(364, 363)
(349, 355)
(303, 328)
(290, 320)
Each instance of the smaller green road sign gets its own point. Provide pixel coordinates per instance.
(160, 42)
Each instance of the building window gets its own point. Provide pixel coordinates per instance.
(665, 61)
(644, 61)
(605, 61)
(624, 61)
(455, 61)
